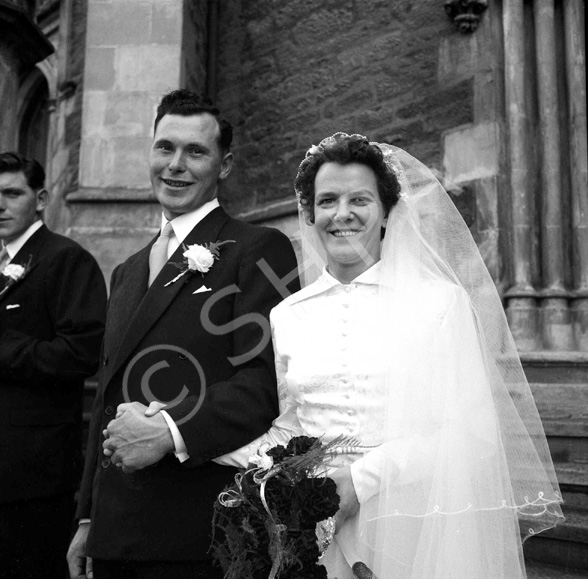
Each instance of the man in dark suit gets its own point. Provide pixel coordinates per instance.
(189, 329)
(52, 311)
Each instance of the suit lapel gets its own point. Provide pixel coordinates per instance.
(158, 298)
(129, 290)
(28, 256)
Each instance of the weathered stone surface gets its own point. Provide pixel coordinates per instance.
(100, 72)
(472, 152)
(166, 27)
(148, 68)
(8, 93)
(116, 23)
(306, 69)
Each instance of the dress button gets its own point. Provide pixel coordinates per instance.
(109, 410)
(351, 412)
(105, 360)
(347, 288)
(106, 463)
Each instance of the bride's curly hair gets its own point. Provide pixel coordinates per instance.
(345, 149)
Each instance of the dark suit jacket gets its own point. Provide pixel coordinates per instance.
(211, 352)
(51, 327)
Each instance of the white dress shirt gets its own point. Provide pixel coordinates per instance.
(15, 245)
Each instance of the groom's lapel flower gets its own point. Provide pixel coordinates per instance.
(15, 272)
(198, 258)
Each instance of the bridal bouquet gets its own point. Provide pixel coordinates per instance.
(266, 522)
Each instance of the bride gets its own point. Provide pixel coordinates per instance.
(402, 345)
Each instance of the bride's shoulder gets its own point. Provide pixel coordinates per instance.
(438, 296)
(299, 297)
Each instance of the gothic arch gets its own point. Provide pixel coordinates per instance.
(33, 117)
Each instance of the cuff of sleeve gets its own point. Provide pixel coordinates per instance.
(84, 522)
(181, 451)
(365, 475)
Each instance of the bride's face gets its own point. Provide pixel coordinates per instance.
(348, 216)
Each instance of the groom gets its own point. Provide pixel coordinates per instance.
(188, 330)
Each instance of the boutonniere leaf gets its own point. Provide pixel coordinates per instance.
(198, 258)
(15, 272)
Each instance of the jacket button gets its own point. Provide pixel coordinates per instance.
(109, 410)
(106, 463)
(105, 360)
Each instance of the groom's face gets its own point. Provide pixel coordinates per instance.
(186, 162)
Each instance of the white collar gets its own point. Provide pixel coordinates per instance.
(183, 224)
(326, 281)
(371, 276)
(16, 244)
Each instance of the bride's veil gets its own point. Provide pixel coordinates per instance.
(465, 473)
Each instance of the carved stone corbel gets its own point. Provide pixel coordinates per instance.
(466, 14)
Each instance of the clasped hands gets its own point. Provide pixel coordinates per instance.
(138, 437)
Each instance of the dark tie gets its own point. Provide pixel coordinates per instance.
(158, 255)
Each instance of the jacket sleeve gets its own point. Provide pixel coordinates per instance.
(284, 427)
(84, 505)
(240, 409)
(75, 294)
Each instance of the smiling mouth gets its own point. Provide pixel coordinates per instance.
(173, 183)
(344, 232)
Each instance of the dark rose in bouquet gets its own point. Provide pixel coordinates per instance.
(265, 523)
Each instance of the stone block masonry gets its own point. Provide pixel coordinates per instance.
(291, 73)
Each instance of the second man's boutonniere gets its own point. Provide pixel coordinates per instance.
(198, 258)
(15, 272)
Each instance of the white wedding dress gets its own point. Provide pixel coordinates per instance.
(414, 362)
(332, 359)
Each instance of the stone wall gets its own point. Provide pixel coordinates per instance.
(65, 76)
(294, 72)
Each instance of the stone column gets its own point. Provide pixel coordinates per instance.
(22, 45)
(556, 316)
(521, 297)
(576, 77)
(137, 50)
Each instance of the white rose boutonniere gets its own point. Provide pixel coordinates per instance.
(15, 272)
(198, 258)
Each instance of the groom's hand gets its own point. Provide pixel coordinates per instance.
(134, 441)
(80, 566)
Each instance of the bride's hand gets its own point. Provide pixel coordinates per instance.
(349, 504)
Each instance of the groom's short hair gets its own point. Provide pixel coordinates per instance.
(187, 103)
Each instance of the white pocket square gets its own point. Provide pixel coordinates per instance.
(12, 306)
(202, 289)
